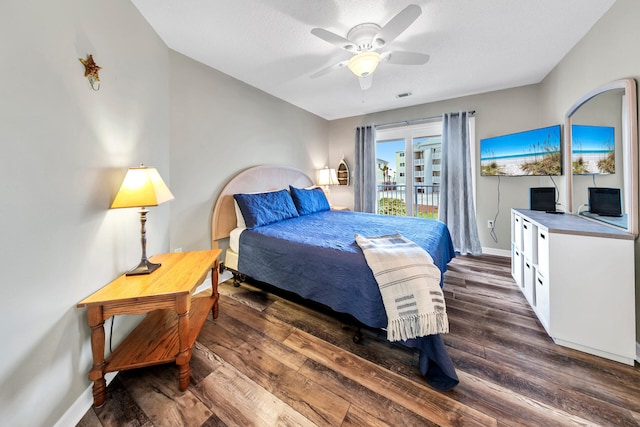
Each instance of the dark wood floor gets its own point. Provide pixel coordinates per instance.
(268, 361)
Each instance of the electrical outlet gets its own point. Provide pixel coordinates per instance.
(490, 223)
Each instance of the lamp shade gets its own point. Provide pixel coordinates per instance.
(327, 176)
(364, 63)
(142, 186)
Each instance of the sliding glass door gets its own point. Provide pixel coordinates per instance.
(408, 170)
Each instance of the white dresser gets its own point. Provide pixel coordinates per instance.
(578, 276)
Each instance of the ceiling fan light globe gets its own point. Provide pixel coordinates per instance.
(364, 63)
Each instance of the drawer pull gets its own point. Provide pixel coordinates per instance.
(543, 236)
(540, 281)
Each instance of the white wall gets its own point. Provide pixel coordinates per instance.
(65, 150)
(608, 52)
(220, 126)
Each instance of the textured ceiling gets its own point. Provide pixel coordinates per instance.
(475, 46)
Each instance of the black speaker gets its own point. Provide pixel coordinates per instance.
(542, 198)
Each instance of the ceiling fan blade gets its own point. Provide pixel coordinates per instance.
(366, 81)
(334, 39)
(405, 58)
(397, 25)
(329, 69)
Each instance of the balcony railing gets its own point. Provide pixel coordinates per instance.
(392, 200)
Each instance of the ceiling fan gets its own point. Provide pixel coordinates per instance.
(364, 40)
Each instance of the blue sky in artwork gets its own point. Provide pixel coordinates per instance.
(592, 138)
(520, 144)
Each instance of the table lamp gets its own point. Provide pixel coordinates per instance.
(327, 177)
(142, 187)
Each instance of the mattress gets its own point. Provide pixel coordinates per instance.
(234, 239)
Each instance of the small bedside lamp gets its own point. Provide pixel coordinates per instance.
(142, 187)
(327, 177)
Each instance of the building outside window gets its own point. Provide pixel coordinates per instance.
(409, 185)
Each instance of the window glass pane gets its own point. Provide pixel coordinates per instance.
(390, 173)
(388, 154)
(426, 175)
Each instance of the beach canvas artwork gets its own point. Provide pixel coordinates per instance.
(592, 150)
(533, 152)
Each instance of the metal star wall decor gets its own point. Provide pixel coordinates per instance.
(91, 71)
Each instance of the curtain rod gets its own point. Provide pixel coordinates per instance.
(416, 121)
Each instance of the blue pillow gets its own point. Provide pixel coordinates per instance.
(265, 208)
(309, 201)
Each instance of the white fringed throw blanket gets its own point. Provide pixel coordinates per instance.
(409, 283)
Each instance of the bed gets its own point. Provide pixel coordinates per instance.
(310, 250)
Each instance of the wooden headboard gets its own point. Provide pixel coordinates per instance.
(252, 180)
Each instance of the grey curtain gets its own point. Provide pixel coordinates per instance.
(456, 192)
(364, 180)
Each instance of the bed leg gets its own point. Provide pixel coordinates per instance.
(357, 337)
(237, 278)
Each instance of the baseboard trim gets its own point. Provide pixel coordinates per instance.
(83, 403)
(638, 352)
(498, 252)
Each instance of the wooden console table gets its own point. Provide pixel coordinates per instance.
(173, 321)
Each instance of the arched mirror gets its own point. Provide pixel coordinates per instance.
(601, 156)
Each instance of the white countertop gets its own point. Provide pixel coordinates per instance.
(573, 224)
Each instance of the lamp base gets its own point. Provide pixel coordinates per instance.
(145, 267)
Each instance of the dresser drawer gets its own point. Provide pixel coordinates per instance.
(516, 265)
(529, 241)
(542, 251)
(517, 231)
(542, 308)
(528, 281)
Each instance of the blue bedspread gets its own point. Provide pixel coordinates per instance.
(316, 257)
